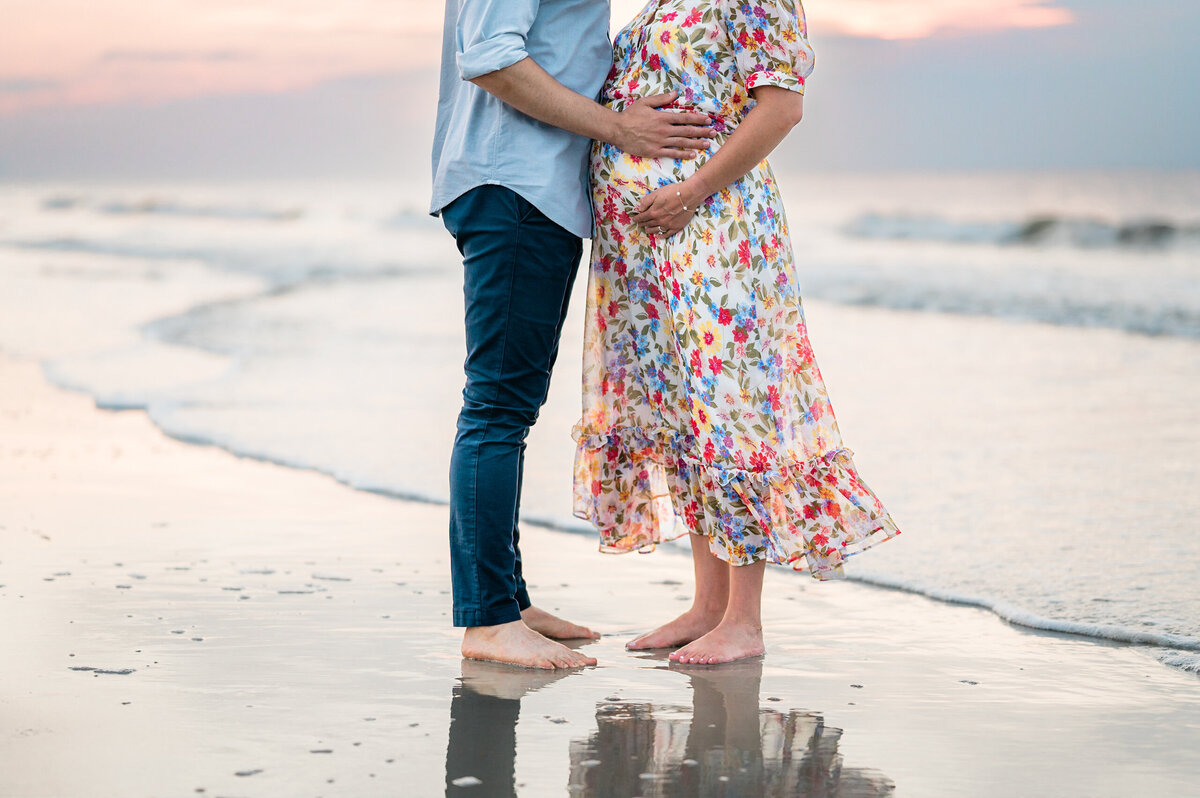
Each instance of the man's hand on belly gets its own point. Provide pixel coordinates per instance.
(644, 131)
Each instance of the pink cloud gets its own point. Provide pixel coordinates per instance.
(916, 19)
(79, 51)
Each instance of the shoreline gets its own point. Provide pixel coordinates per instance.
(1005, 611)
(258, 630)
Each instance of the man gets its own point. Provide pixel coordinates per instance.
(515, 117)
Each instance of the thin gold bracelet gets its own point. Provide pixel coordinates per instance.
(681, 202)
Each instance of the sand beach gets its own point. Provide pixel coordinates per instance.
(182, 621)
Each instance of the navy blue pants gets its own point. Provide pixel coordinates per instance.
(518, 268)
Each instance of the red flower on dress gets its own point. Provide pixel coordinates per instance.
(724, 316)
(774, 398)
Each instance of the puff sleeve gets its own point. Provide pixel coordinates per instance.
(770, 42)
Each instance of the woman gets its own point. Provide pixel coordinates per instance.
(703, 408)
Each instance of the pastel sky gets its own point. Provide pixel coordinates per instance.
(76, 76)
(83, 51)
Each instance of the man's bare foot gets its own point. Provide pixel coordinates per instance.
(730, 641)
(554, 627)
(684, 629)
(517, 644)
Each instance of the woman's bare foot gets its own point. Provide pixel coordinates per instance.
(729, 641)
(684, 629)
(554, 627)
(517, 644)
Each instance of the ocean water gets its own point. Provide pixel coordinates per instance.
(1013, 357)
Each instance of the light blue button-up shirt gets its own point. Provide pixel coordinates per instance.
(480, 140)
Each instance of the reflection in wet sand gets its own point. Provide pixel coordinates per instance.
(482, 752)
(724, 745)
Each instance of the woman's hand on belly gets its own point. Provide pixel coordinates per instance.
(668, 210)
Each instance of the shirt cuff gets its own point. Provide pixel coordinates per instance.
(496, 52)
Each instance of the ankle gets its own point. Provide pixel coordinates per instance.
(709, 609)
(488, 632)
(752, 622)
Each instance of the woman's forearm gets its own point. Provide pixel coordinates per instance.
(776, 112)
(669, 209)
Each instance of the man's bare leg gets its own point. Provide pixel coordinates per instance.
(517, 644)
(554, 627)
(708, 605)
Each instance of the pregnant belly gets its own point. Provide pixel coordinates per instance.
(624, 179)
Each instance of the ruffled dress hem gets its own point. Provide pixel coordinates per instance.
(641, 489)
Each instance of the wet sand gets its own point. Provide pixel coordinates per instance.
(180, 621)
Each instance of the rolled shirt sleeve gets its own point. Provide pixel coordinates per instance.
(491, 34)
(770, 42)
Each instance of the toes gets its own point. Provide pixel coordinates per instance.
(580, 659)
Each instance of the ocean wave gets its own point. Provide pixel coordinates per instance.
(282, 266)
(1178, 651)
(1174, 650)
(168, 207)
(1174, 316)
(1020, 617)
(1081, 232)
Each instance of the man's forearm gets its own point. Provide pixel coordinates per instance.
(532, 91)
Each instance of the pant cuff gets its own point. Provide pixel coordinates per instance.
(488, 618)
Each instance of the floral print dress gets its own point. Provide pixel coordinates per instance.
(703, 407)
